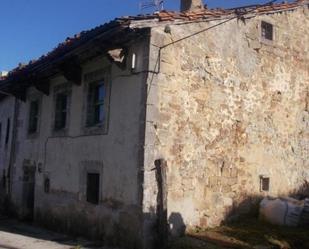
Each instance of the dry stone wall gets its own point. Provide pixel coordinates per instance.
(227, 108)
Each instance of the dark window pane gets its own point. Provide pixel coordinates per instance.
(101, 113)
(61, 111)
(93, 188)
(34, 115)
(267, 31)
(96, 96)
(101, 92)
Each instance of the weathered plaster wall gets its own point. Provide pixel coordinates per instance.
(6, 112)
(116, 155)
(226, 108)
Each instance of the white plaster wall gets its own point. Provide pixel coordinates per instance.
(116, 154)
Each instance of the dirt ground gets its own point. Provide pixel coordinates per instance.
(16, 235)
(248, 233)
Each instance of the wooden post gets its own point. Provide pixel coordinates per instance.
(162, 224)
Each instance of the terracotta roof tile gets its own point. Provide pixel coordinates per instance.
(216, 13)
(163, 16)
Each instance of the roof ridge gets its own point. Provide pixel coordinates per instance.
(161, 16)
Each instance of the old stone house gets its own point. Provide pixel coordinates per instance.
(175, 117)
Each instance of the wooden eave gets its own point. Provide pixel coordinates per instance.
(68, 63)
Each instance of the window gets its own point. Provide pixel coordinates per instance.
(267, 31)
(93, 188)
(265, 183)
(33, 117)
(96, 98)
(61, 107)
(8, 127)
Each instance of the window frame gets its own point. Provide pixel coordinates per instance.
(92, 78)
(37, 117)
(263, 36)
(61, 111)
(95, 104)
(58, 90)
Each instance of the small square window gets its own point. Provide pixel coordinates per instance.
(264, 183)
(93, 188)
(33, 117)
(61, 109)
(267, 31)
(96, 103)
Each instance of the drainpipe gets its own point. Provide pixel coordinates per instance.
(162, 223)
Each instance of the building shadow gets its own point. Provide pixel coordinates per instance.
(248, 206)
(177, 227)
(13, 226)
(242, 223)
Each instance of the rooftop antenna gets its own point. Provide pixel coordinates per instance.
(157, 4)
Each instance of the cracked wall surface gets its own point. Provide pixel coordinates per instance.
(226, 108)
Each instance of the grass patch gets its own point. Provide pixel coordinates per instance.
(245, 234)
(255, 232)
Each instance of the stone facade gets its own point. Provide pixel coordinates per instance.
(225, 111)
(226, 108)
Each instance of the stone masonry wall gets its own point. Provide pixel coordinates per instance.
(226, 108)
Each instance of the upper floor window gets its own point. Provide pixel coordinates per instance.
(62, 99)
(96, 99)
(267, 31)
(33, 117)
(61, 110)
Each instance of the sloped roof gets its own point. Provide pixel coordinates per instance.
(161, 16)
(82, 38)
(217, 13)
(206, 13)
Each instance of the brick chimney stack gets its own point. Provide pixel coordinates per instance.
(191, 5)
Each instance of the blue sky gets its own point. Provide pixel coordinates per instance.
(30, 28)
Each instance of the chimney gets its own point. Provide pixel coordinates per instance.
(191, 5)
